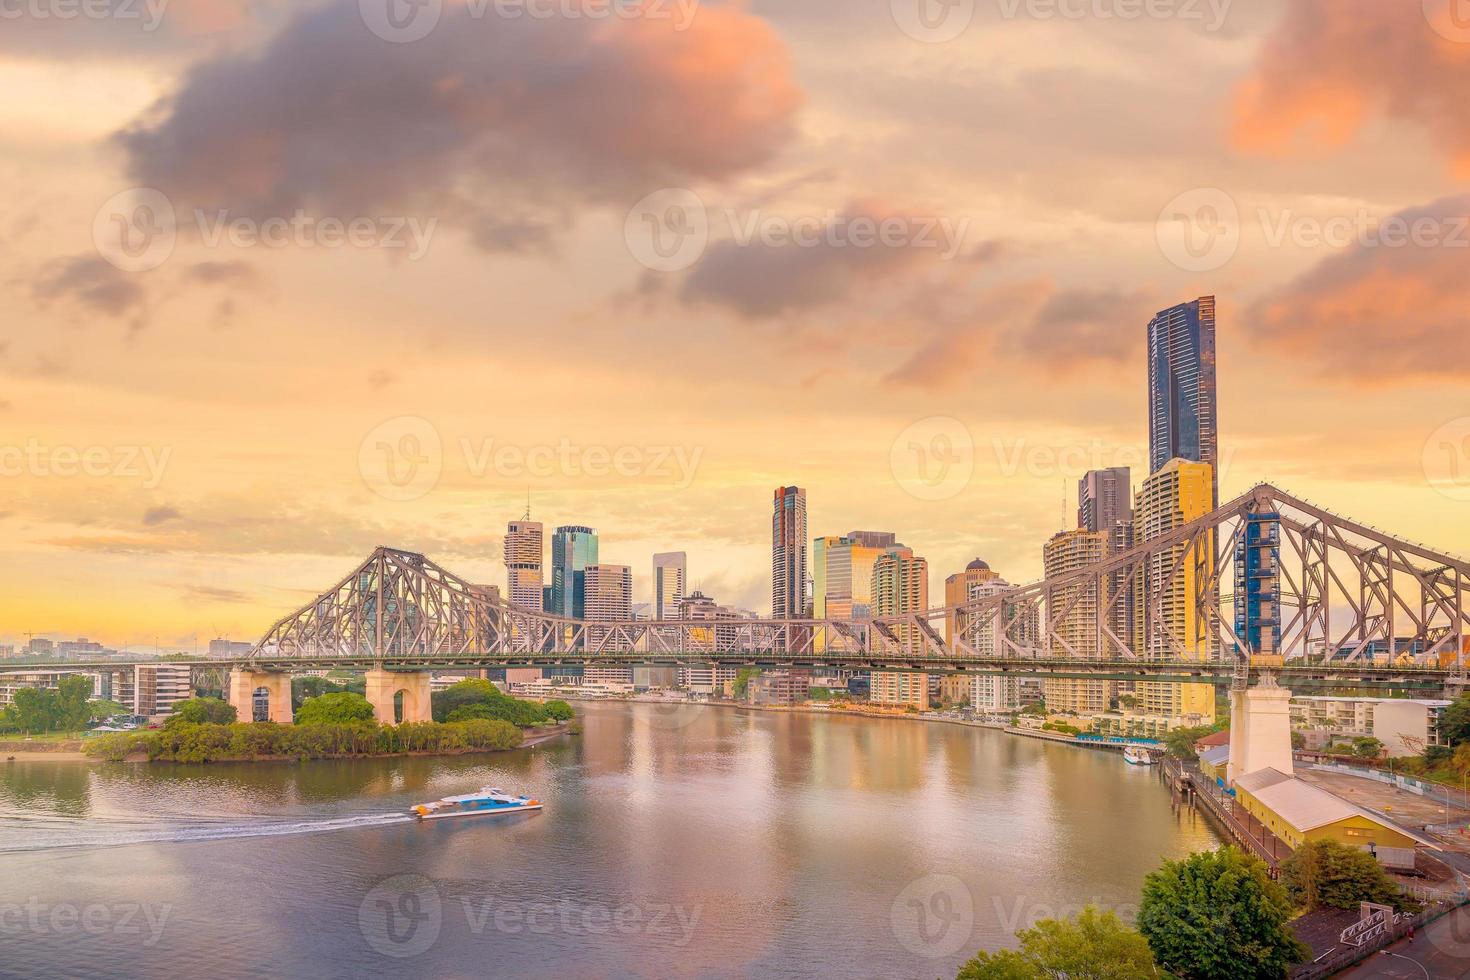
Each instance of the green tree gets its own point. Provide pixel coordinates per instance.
(72, 695)
(742, 681)
(1454, 723)
(35, 709)
(337, 708)
(1298, 741)
(1093, 946)
(303, 688)
(1367, 747)
(480, 699)
(201, 711)
(559, 710)
(1332, 875)
(1218, 915)
(1180, 741)
(100, 709)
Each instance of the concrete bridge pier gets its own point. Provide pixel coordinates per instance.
(241, 693)
(383, 688)
(1260, 729)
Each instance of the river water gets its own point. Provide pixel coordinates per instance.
(676, 842)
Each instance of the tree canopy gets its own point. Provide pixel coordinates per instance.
(1333, 875)
(1093, 946)
(1218, 915)
(479, 699)
(197, 711)
(335, 708)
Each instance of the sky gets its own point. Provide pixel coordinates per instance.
(283, 282)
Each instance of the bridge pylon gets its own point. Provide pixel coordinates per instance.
(1260, 729)
(242, 685)
(383, 688)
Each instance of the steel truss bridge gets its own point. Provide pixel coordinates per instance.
(1351, 606)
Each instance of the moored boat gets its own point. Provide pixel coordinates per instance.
(487, 801)
(1137, 755)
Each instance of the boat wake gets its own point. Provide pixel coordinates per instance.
(74, 838)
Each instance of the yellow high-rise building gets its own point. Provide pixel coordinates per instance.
(1169, 623)
(900, 584)
(1077, 635)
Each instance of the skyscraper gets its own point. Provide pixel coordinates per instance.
(1182, 419)
(959, 588)
(788, 554)
(1105, 506)
(608, 595)
(1076, 635)
(523, 556)
(670, 572)
(843, 572)
(1169, 622)
(901, 585)
(573, 548)
(1104, 497)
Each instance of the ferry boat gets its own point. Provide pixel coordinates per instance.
(486, 801)
(1137, 755)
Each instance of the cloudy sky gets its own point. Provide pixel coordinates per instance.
(285, 281)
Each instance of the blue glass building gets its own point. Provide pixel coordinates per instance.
(1182, 420)
(573, 548)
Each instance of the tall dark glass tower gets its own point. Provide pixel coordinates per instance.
(573, 548)
(1182, 420)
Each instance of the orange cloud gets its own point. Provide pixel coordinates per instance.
(1403, 302)
(1332, 65)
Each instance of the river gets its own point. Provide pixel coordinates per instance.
(676, 842)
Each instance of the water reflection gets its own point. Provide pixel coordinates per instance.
(788, 840)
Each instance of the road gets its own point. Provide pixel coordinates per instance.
(1441, 952)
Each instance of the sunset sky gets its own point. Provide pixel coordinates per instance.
(200, 430)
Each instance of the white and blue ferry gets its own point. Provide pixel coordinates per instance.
(486, 801)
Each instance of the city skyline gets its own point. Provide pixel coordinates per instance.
(231, 483)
